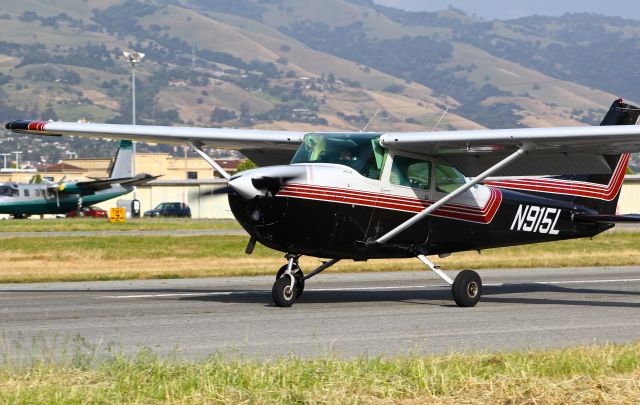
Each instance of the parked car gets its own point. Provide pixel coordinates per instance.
(170, 209)
(91, 212)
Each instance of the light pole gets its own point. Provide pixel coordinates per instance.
(134, 58)
(4, 155)
(18, 153)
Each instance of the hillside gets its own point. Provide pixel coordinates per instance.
(295, 64)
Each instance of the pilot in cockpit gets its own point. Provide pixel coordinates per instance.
(346, 155)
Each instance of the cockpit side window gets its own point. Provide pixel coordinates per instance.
(410, 172)
(361, 152)
(448, 178)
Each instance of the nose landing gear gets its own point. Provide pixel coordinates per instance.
(289, 283)
(290, 280)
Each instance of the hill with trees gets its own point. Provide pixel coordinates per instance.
(294, 64)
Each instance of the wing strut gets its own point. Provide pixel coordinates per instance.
(504, 162)
(212, 163)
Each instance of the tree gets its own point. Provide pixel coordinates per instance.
(221, 115)
(37, 179)
(246, 165)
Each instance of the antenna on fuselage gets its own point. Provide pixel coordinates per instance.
(441, 118)
(373, 117)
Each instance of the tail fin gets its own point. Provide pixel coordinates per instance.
(620, 113)
(123, 163)
(598, 192)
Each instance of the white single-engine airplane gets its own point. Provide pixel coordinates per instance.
(376, 195)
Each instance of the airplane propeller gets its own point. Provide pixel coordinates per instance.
(56, 187)
(261, 182)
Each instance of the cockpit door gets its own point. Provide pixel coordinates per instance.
(406, 190)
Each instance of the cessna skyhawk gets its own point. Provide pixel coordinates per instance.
(376, 195)
(24, 199)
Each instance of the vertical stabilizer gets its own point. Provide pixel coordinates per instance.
(620, 113)
(123, 164)
(597, 192)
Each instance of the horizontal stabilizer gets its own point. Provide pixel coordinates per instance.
(97, 185)
(138, 180)
(607, 218)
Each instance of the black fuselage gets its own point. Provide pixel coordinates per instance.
(347, 231)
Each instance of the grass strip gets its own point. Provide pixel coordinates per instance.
(605, 374)
(144, 257)
(103, 224)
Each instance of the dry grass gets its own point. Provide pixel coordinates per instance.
(144, 257)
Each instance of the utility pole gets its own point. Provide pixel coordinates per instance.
(4, 155)
(18, 153)
(134, 58)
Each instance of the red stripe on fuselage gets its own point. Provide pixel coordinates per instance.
(394, 202)
(567, 187)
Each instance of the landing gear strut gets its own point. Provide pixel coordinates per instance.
(466, 288)
(290, 280)
(297, 274)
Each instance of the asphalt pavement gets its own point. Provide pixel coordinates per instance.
(343, 314)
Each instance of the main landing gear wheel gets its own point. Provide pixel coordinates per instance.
(297, 273)
(467, 288)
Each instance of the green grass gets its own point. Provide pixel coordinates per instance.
(606, 374)
(101, 224)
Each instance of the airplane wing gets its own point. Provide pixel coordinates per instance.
(261, 146)
(97, 185)
(570, 150)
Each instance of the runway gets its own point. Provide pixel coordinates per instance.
(344, 314)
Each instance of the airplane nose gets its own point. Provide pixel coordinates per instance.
(243, 185)
(260, 182)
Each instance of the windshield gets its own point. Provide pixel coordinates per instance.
(361, 152)
(163, 206)
(7, 191)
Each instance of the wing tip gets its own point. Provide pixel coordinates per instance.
(25, 125)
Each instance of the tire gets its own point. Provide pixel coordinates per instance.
(281, 294)
(467, 288)
(299, 278)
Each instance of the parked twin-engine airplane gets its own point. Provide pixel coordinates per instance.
(395, 195)
(24, 199)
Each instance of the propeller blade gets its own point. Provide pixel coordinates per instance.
(272, 184)
(219, 191)
(260, 182)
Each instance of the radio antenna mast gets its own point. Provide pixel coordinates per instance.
(373, 117)
(441, 118)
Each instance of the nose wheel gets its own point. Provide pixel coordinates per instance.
(289, 283)
(282, 293)
(297, 273)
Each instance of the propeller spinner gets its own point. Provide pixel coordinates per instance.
(261, 182)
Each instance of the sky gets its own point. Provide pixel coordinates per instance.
(506, 9)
